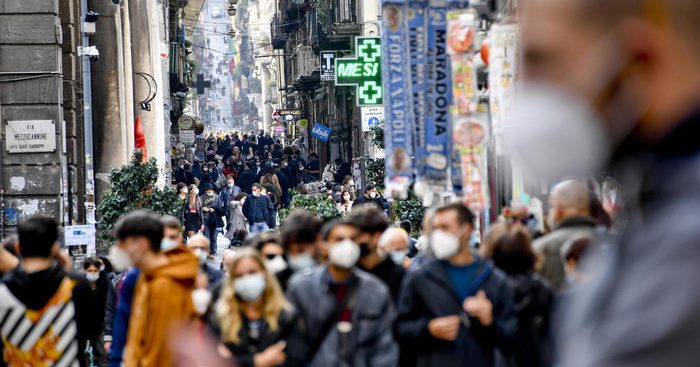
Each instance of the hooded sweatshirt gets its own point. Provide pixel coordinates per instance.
(162, 302)
(49, 313)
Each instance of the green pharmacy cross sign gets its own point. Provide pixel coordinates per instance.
(363, 71)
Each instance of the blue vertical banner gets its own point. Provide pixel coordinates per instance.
(417, 48)
(398, 127)
(436, 151)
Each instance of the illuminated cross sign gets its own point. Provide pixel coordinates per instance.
(363, 71)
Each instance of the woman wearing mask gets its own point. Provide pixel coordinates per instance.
(349, 186)
(192, 214)
(345, 205)
(105, 295)
(182, 192)
(253, 319)
(236, 217)
(302, 176)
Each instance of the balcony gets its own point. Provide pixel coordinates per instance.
(278, 34)
(337, 25)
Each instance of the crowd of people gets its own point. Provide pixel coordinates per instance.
(235, 184)
(357, 291)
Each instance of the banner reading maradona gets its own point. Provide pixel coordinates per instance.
(397, 102)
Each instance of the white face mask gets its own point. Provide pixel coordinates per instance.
(201, 255)
(344, 254)
(256, 194)
(301, 262)
(398, 257)
(250, 287)
(201, 298)
(555, 134)
(373, 195)
(167, 244)
(92, 277)
(444, 244)
(196, 191)
(276, 264)
(120, 259)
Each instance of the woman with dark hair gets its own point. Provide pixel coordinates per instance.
(345, 204)
(100, 335)
(510, 248)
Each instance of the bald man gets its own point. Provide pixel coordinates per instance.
(636, 66)
(569, 216)
(395, 244)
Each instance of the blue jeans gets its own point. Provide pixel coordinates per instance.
(259, 227)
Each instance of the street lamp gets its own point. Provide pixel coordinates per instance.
(231, 10)
(233, 2)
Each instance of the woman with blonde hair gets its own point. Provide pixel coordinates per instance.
(253, 319)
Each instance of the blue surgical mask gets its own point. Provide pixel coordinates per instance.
(92, 277)
(398, 257)
(167, 244)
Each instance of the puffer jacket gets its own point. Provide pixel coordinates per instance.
(372, 317)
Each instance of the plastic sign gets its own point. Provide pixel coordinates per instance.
(363, 71)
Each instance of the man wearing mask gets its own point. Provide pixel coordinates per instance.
(257, 210)
(631, 68)
(371, 196)
(569, 216)
(227, 194)
(394, 243)
(348, 313)
(371, 223)
(248, 177)
(163, 294)
(42, 304)
(183, 173)
(456, 309)
(199, 245)
(301, 238)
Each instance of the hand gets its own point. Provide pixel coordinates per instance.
(445, 328)
(108, 346)
(480, 307)
(272, 356)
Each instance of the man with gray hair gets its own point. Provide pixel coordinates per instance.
(569, 216)
(631, 69)
(199, 245)
(394, 244)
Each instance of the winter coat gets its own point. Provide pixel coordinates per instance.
(372, 317)
(236, 218)
(53, 304)
(120, 325)
(249, 209)
(212, 218)
(641, 309)
(549, 246)
(247, 179)
(226, 195)
(163, 298)
(270, 181)
(427, 293)
(290, 330)
(534, 303)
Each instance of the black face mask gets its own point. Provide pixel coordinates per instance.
(364, 250)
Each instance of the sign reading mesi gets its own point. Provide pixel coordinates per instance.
(363, 71)
(31, 136)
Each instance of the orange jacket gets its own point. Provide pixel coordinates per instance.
(162, 302)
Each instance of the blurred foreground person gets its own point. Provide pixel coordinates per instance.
(348, 313)
(456, 309)
(394, 243)
(163, 294)
(629, 69)
(8, 259)
(569, 216)
(199, 245)
(48, 314)
(253, 319)
(511, 251)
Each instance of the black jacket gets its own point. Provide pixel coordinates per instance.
(34, 291)
(391, 274)
(290, 329)
(267, 208)
(427, 294)
(246, 181)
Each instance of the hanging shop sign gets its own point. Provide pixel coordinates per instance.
(321, 132)
(80, 242)
(371, 117)
(30, 136)
(398, 132)
(187, 137)
(363, 71)
(328, 66)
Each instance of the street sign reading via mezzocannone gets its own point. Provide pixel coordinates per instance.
(363, 71)
(31, 136)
